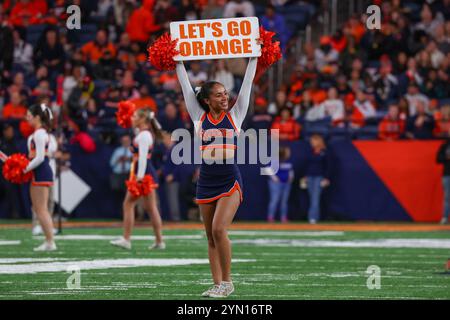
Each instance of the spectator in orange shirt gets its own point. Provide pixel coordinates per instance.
(145, 101)
(142, 23)
(26, 12)
(96, 49)
(442, 119)
(289, 128)
(392, 126)
(14, 109)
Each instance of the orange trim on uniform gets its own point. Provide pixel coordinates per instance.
(218, 146)
(216, 122)
(42, 183)
(235, 187)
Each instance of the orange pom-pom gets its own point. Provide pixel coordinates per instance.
(13, 169)
(141, 188)
(147, 185)
(133, 188)
(162, 51)
(124, 114)
(270, 51)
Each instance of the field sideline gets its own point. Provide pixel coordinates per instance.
(272, 261)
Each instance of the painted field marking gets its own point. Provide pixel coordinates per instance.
(286, 233)
(30, 268)
(10, 242)
(376, 243)
(113, 237)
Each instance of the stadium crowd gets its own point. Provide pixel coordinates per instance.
(391, 83)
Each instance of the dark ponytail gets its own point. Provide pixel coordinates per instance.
(203, 93)
(44, 113)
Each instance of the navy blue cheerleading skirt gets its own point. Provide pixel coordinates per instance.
(150, 169)
(43, 174)
(217, 181)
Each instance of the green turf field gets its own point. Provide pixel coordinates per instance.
(270, 265)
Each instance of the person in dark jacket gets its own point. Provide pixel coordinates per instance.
(6, 46)
(11, 191)
(443, 157)
(421, 125)
(316, 175)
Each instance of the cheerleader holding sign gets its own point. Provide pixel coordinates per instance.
(219, 189)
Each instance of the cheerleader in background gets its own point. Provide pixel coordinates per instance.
(146, 126)
(39, 117)
(51, 152)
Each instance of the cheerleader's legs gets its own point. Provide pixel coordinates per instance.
(151, 206)
(226, 208)
(128, 215)
(207, 211)
(39, 200)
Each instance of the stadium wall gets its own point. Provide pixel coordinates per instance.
(370, 180)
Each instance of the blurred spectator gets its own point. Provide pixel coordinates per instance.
(213, 10)
(317, 174)
(279, 103)
(392, 126)
(27, 12)
(221, 74)
(189, 10)
(260, 119)
(333, 107)
(325, 55)
(364, 106)
(414, 97)
(141, 23)
(436, 56)
(442, 122)
(280, 186)
(15, 108)
(196, 75)
(171, 173)
(188, 194)
(50, 52)
(6, 46)
(421, 125)
(94, 50)
(23, 54)
(120, 163)
(165, 12)
(289, 129)
(238, 8)
(145, 100)
(72, 80)
(386, 84)
(434, 87)
(10, 191)
(275, 22)
(429, 21)
(443, 157)
(170, 119)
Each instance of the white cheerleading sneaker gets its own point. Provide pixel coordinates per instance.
(46, 246)
(224, 290)
(158, 246)
(122, 243)
(208, 292)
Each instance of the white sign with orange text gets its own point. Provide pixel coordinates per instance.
(216, 38)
